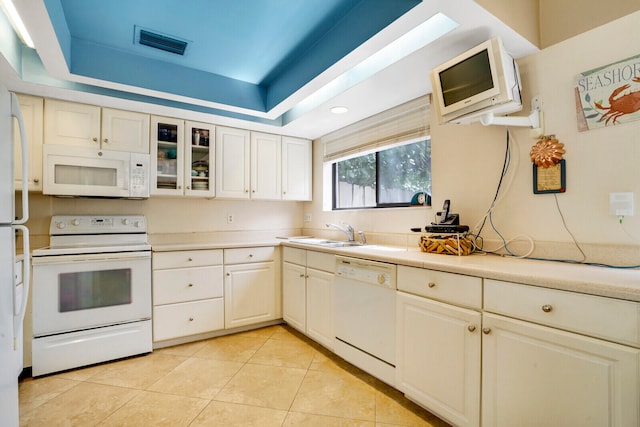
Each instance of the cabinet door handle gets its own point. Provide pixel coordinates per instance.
(547, 308)
(94, 139)
(301, 275)
(188, 187)
(228, 274)
(106, 140)
(190, 319)
(471, 328)
(36, 180)
(486, 331)
(431, 284)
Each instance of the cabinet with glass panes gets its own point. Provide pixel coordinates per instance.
(167, 148)
(198, 159)
(183, 153)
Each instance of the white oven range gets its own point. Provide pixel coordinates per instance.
(91, 292)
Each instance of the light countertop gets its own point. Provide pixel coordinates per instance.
(602, 281)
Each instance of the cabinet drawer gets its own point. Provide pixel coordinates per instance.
(244, 255)
(608, 318)
(188, 318)
(294, 255)
(177, 259)
(187, 284)
(448, 287)
(321, 261)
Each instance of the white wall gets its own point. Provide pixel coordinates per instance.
(467, 160)
(174, 214)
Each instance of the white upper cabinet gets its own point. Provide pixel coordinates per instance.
(32, 110)
(70, 123)
(296, 169)
(232, 163)
(167, 156)
(199, 159)
(262, 166)
(125, 131)
(266, 166)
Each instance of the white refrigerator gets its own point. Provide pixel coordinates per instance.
(13, 299)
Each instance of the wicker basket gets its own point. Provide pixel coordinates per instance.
(453, 244)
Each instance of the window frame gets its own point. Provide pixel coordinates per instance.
(378, 205)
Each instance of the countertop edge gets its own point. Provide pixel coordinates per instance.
(593, 280)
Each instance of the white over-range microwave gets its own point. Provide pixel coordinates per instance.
(87, 171)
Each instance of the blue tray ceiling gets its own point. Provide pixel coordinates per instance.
(250, 54)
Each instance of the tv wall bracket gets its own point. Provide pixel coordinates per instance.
(534, 120)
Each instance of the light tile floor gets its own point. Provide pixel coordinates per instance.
(272, 376)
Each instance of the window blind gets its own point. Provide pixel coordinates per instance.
(408, 121)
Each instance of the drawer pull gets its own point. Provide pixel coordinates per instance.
(250, 255)
(486, 331)
(471, 328)
(190, 319)
(302, 275)
(191, 285)
(547, 308)
(431, 284)
(190, 259)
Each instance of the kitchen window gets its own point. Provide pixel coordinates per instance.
(385, 178)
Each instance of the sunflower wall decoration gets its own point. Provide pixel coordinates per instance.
(549, 168)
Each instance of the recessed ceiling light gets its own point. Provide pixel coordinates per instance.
(339, 110)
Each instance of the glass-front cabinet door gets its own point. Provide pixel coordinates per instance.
(167, 175)
(199, 152)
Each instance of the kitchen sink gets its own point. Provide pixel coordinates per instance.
(327, 243)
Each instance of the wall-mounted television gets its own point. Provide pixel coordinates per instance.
(482, 80)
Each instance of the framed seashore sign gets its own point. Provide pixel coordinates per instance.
(608, 95)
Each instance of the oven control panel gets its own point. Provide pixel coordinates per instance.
(94, 224)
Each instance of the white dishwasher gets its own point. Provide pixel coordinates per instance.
(365, 315)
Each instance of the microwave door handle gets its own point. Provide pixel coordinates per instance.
(18, 317)
(15, 112)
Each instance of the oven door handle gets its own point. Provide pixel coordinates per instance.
(66, 259)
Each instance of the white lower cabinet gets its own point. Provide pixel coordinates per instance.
(438, 353)
(307, 293)
(294, 295)
(536, 374)
(187, 293)
(438, 362)
(540, 357)
(319, 304)
(250, 286)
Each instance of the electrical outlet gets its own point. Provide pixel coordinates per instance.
(229, 218)
(307, 217)
(621, 204)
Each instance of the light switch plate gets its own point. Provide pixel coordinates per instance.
(621, 204)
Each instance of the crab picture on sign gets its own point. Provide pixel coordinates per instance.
(609, 95)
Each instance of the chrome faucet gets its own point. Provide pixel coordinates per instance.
(348, 230)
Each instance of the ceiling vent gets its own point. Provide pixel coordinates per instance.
(159, 41)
